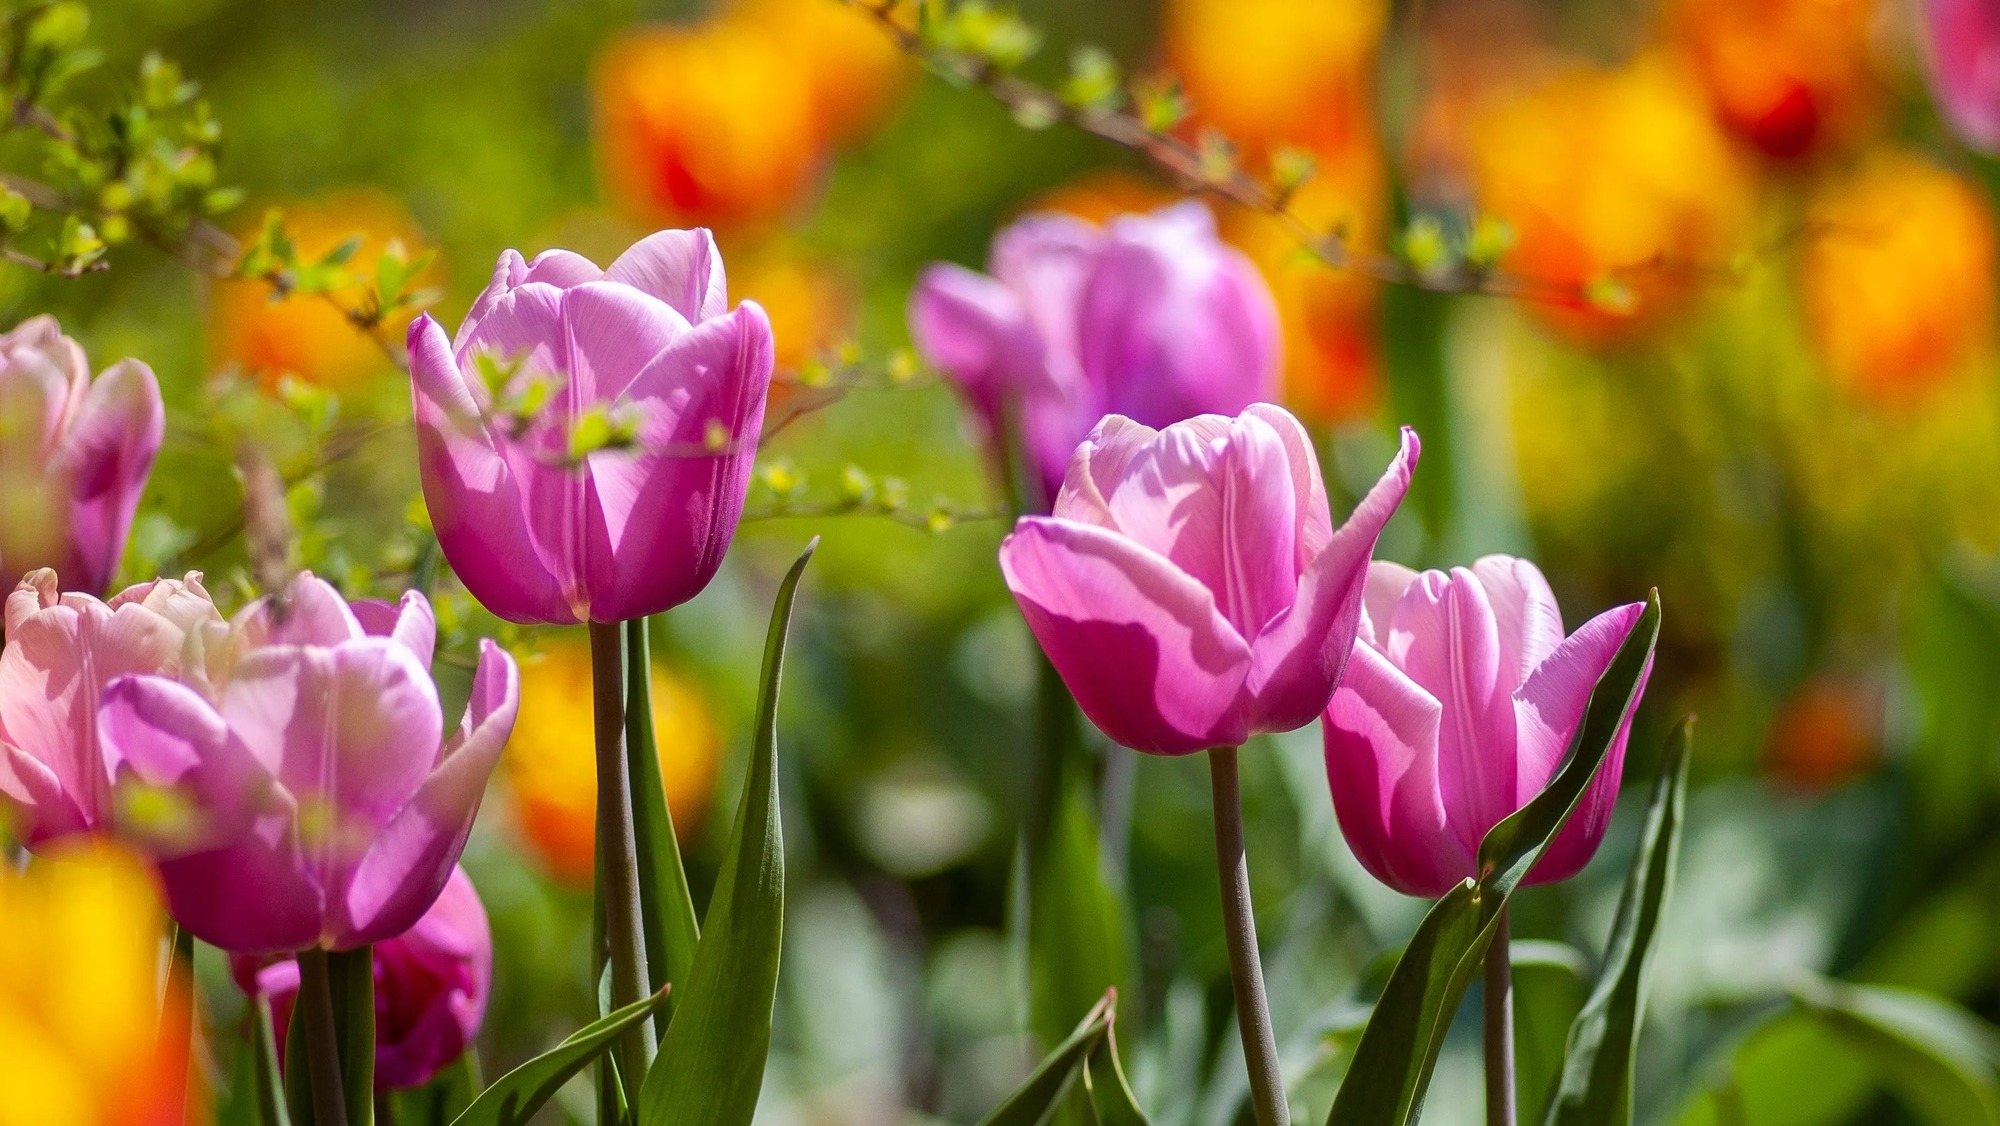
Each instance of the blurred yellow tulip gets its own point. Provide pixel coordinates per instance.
(1277, 72)
(308, 336)
(551, 766)
(80, 1010)
(1897, 274)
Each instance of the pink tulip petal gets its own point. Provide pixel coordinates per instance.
(42, 809)
(1048, 259)
(1381, 733)
(669, 516)
(1444, 639)
(105, 457)
(209, 892)
(1260, 526)
(977, 332)
(1548, 709)
(1386, 583)
(1140, 644)
(511, 270)
(435, 979)
(1165, 496)
(561, 268)
(356, 727)
(404, 871)
(1315, 520)
(1524, 608)
(1299, 656)
(307, 612)
(1099, 462)
(1965, 67)
(410, 623)
(681, 268)
(474, 500)
(612, 333)
(161, 734)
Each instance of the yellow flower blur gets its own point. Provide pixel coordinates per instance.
(1620, 188)
(551, 768)
(80, 944)
(306, 335)
(1897, 274)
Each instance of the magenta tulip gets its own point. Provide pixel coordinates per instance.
(544, 528)
(62, 650)
(431, 985)
(1190, 586)
(1152, 317)
(1965, 67)
(1457, 707)
(74, 455)
(300, 791)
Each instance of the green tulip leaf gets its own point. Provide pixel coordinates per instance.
(666, 906)
(268, 1083)
(1392, 1063)
(1045, 1088)
(520, 1093)
(1943, 1060)
(1596, 1085)
(711, 1062)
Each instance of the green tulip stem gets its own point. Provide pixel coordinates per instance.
(1499, 1027)
(322, 1038)
(1246, 972)
(618, 853)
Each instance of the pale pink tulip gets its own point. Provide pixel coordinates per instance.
(74, 456)
(1457, 708)
(303, 789)
(62, 650)
(1190, 586)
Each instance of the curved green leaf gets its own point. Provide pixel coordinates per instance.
(1392, 1063)
(1596, 1086)
(1042, 1091)
(666, 906)
(711, 1062)
(521, 1092)
(1943, 1060)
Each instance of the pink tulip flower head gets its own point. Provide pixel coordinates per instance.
(303, 767)
(1152, 317)
(74, 455)
(586, 440)
(431, 985)
(1965, 67)
(1190, 586)
(62, 650)
(1457, 708)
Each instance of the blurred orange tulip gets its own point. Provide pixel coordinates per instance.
(1825, 735)
(811, 306)
(1272, 72)
(80, 941)
(727, 121)
(1897, 274)
(306, 335)
(1622, 192)
(551, 765)
(1792, 77)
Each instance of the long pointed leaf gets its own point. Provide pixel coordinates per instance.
(1392, 1064)
(666, 906)
(521, 1092)
(711, 1062)
(1043, 1090)
(1596, 1085)
(270, 1085)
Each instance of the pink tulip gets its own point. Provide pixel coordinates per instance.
(1152, 317)
(74, 455)
(1190, 586)
(431, 985)
(1457, 707)
(1965, 67)
(301, 763)
(617, 531)
(62, 650)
